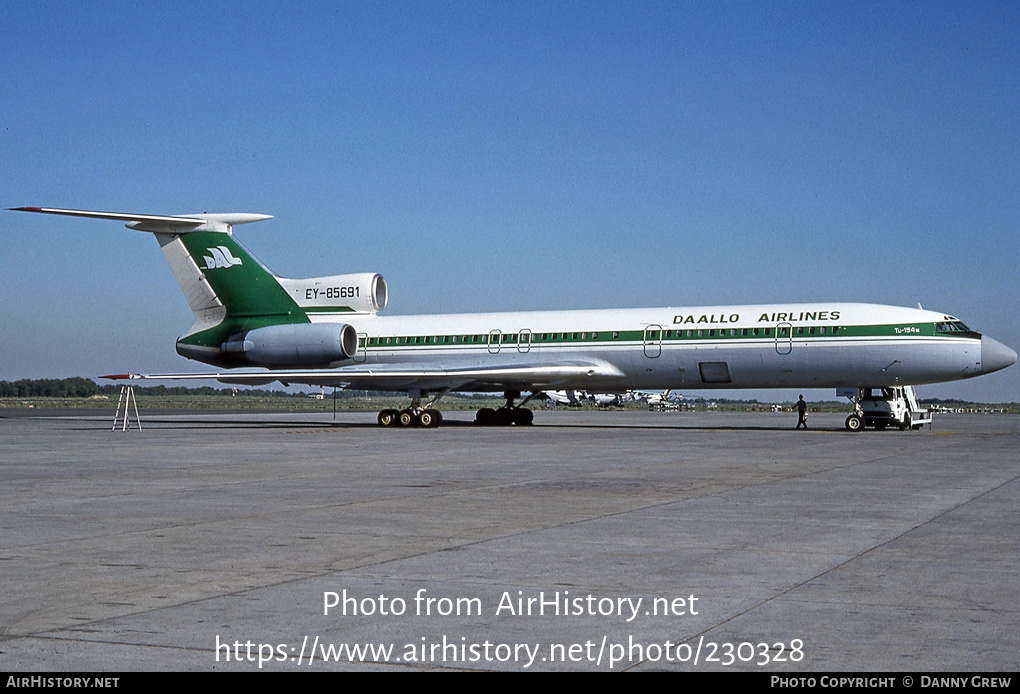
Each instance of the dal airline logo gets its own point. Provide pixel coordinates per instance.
(219, 257)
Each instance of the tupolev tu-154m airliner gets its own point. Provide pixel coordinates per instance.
(326, 331)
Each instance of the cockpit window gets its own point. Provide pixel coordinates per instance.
(951, 327)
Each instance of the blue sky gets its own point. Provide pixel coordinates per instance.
(511, 156)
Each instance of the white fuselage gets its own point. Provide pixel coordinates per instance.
(763, 346)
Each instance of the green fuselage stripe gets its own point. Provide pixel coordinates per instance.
(669, 336)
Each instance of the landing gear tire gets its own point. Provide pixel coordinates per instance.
(429, 419)
(504, 417)
(388, 418)
(406, 418)
(854, 422)
(523, 417)
(485, 417)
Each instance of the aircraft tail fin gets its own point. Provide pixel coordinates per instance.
(195, 244)
(229, 291)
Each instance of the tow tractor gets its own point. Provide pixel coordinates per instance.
(894, 406)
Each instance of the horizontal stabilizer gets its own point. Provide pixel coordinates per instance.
(176, 224)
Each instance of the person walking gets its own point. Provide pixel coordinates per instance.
(801, 413)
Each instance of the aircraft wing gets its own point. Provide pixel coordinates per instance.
(400, 377)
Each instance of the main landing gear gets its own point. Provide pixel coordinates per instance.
(411, 417)
(418, 415)
(508, 414)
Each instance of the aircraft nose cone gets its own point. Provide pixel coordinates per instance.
(995, 355)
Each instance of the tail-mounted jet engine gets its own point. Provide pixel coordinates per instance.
(364, 292)
(299, 345)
